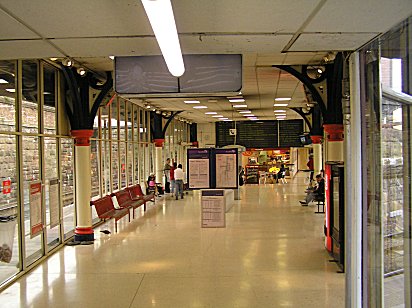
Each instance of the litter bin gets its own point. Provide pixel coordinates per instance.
(7, 230)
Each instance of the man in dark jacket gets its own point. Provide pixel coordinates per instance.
(317, 193)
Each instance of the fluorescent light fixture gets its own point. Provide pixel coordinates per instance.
(111, 57)
(281, 117)
(227, 120)
(200, 107)
(217, 116)
(3, 81)
(192, 102)
(211, 112)
(249, 115)
(240, 106)
(279, 110)
(280, 105)
(224, 119)
(11, 90)
(245, 111)
(160, 14)
(254, 119)
(236, 100)
(282, 99)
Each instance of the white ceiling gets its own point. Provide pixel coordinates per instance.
(89, 31)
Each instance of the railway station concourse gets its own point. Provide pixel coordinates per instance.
(92, 102)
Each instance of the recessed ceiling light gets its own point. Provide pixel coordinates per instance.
(236, 100)
(282, 99)
(280, 105)
(240, 106)
(11, 90)
(217, 116)
(245, 111)
(211, 112)
(279, 110)
(3, 81)
(192, 102)
(200, 107)
(111, 57)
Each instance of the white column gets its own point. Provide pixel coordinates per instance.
(84, 230)
(159, 164)
(83, 187)
(353, 192)
(317, 158)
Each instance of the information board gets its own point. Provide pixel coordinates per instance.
(213, 209)
(226, 161)
(54, 202)
(260, 134)
(35, 197)
(289, 133)
(198, 166)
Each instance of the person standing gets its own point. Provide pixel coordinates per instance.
(166, 170)
(172, 178)
(179, 177)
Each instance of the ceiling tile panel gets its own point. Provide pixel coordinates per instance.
(331, 42)
(27, 49)
(359, 15)
(11, 29)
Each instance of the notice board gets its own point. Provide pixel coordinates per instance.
(213, 208)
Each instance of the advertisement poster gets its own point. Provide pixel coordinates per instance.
(54, 202)
(35, 197)
(226, 168)
(198, 168)
(213, 209)
(6, 187)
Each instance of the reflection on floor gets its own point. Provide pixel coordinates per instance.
(271, 254)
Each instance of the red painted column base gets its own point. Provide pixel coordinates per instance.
(158, 142)
(83, 234)
(316, 139)
(195, 144)
(82, 136)
(334, 132)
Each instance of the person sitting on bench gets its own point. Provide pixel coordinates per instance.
(151, 184)
(317, 193)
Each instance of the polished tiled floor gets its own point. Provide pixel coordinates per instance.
(271, 254)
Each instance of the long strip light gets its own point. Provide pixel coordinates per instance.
(160, 14)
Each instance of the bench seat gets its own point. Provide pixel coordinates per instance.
(105, 210)
(136, 193)
(125, 200)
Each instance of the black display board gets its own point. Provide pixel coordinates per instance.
(260, 134)
(289, 133)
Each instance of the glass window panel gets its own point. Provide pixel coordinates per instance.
(49, 99)
(31, 172)
(94, 164)
(137, 166)
(122, 119)
(130, 163)
(106, 167)
(7, 95)
(136, 123)
(115, 165)
(123, 166)
(114, 118)
(30, 100)
(142, 126)
(51, 164)
(129, 120)
(8, 208)
(105, 125)
(67, 172)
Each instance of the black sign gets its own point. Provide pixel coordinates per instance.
(289, 133)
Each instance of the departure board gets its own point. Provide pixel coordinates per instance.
(260, 134)
(289, 132)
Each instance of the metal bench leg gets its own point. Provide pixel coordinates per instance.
(323, 207)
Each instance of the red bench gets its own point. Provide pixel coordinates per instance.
(106, 210)
(136, 193)
(125, 200)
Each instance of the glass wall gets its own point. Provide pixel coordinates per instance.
(37, 204)
(386, 90)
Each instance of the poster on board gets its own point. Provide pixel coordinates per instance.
(36, 217)
(54, 202)
(198, 168)
(226, 168)
(213, 209)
